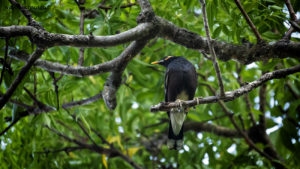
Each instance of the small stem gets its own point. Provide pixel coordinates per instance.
(211, 49)
(250, 23)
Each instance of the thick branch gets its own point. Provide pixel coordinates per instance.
(112, 65)
(114, 80)
(47, 39)
(229, 96)
(225, 51)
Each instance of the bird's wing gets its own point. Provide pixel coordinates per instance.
(173, 84)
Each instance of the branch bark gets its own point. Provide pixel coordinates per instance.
(47, 39)
(231, 95)
(211, 128)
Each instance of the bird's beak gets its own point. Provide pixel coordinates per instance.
(155, 62)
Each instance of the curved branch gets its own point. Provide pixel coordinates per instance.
(231, 95)
(79, 71)
(114, 80)
(44, 38)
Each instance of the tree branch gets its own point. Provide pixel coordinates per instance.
(114, 80)
(211, 128)
(247, 138)
(145, 6)
(65, 149)
(246, 97)
(27, 14)
(110, 152)
(244, 53)
(37, 53)
(211, 49)
(81, 30)
(293, 17)
(101, 6)
(250, 23)
(82, 102)
(292, 13)
(231, 95)
(44, 38)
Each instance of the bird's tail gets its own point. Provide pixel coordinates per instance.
(176, 129)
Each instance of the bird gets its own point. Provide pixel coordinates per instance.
(180, 84)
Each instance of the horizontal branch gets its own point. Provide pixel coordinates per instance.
(44, 38)
(231, 95)
(243, 53)
(79, 71)
(82, 102)
(211, 128)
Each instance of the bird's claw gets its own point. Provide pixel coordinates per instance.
(179, 108)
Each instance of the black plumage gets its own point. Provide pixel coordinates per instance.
(180, 84)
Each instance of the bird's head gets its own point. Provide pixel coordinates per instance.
(165, 61)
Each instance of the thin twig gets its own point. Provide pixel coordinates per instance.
(244, 134)
(212, 51)
(249, 21)
(79, 123)
(36, 54)
(4, 65)
(110, 152)
(291, 10)
(55, 80)
(246, 97)
(83, 101)
(262, 104)
(27, 14)
(101, 6)
(293, 17)
(81, 29)
(65, 149)
(10, 125)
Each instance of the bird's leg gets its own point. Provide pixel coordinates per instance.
(180, 108)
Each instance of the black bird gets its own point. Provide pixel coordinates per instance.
(180, 84)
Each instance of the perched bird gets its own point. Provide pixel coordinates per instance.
(180, 84)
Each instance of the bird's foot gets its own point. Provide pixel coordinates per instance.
(178, 109)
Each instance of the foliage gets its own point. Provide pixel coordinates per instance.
(31, 144)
